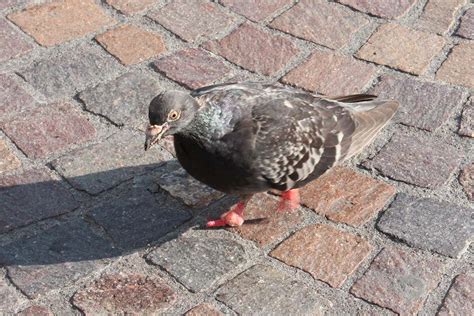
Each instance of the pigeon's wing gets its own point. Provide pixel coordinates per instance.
(297, 141)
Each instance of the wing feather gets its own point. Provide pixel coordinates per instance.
(316, 137)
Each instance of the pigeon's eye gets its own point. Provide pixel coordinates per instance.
(173, 115)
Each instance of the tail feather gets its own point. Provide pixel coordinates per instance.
(354, 98)
(370, 118)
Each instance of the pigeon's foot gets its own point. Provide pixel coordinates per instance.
(289, 201)
(234, 217)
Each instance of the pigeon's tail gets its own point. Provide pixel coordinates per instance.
(370, 117)
(353, 98)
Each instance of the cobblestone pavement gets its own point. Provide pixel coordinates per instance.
(89, 223)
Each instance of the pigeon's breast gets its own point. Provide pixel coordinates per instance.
(215, 169)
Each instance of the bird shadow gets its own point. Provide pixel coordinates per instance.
(45, 221)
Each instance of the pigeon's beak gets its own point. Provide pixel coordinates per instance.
(154, 133)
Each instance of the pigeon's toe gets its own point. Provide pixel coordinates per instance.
(234, 217)
(216, 223)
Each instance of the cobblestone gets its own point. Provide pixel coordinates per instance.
(256, 10)
(203, 310)
(270, 224)
(466, 28)
(460, 298)
(381, 8)
(22, 199)
(179, 184)
(458, 68)
(55, 257)
(125, 293)
(192, 20)
(466, 127)
(425, 105)
(36, 310)
(10, 3)
(398, 280)
(153, 216)
(73, 70)
(11, 298)
(263, 290)
(192, 68)
(8, 160)
(331, 74)
(105, 165)
(49, 129)
(120, 101)
(130, 7)
(440, 15)
(253, 49)
(410, 159)
(328, 254)
(14, 98)
(402, 48)
(198, 262)
(345, 196)
(145, 44)
(467, 180)
(60, 21)
(12, 42)
(429, 224)
(316, 20)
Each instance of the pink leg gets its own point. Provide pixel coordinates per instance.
(289, 200)
(234, 217)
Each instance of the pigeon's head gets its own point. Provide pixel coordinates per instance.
(169, 113)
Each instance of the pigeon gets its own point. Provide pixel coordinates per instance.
(250, 137)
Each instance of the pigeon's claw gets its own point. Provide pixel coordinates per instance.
(234, 217)
(216, 223)
(289, 201)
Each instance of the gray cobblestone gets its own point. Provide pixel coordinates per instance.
(22, 199)
(411, 159)
(177, 182)
(11, 299)
(263, 290)
(199, 262)
(54, 257)
(137, 217)
(422, 104)
(120, 100)
(429, 224)
(105, 165)
(72, 70)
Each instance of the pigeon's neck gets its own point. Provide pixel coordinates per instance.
(209, 123)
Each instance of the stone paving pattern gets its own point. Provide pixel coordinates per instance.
(91, 224)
